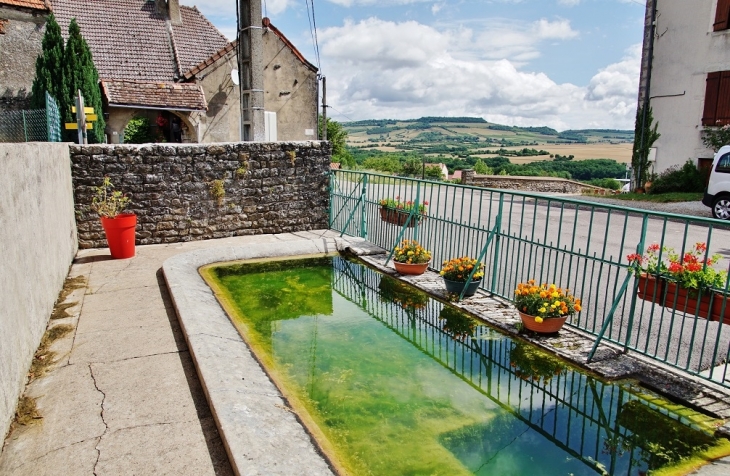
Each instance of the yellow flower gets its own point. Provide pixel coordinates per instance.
(542, 309)
(555, 294)
(538, 319)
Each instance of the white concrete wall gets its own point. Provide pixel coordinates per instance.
(37, 246)
(685, 50)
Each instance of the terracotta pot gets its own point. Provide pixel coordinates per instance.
(397, 217)
(708, 307)
(547, 326)
(120, 234)
(650, 288)
(455, 287)
(411, 269)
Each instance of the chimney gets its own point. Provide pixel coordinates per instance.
(169, 9)
(174, 10)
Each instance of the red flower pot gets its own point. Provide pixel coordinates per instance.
(709, 306)
(412, 269)
(398, 217)
(547, 326)
(120, 234)
(650, 288)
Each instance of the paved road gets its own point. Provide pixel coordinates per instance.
(581, 247)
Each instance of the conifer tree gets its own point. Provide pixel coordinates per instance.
(80, 73)
(49, 68)
(644, 137)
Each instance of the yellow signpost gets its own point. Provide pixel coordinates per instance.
(84, 118)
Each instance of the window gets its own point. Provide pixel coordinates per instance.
(722, 16)
(717, 99)
(723, 165)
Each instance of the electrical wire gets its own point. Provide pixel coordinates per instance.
(341, 113)
(313, 32)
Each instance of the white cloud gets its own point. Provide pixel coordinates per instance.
(569, 3)
(384, 69)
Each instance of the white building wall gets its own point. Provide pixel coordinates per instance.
(685, 50)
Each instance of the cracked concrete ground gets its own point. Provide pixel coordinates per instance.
(123, 396)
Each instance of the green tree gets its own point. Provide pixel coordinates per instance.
(644, 137)
(434, 172)
(138, 131)
(482, 169)
(337, 136)
(412, 167)
(49, 67)
(80, 74)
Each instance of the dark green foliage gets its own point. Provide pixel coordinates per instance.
(80, 74)
(49, 68)
(337, 136)
(688, 178)
(644, 138)
(609, 183)
(434, 172)
(138, 131)
(430, 119)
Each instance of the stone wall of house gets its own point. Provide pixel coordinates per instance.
(526, 184)
(38, 241)
(21, 34)
(268, 188)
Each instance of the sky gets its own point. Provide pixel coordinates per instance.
(566, 64)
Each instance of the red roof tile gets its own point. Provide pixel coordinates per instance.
(130, 41)
(267, 24)
(32, 4)
(167, 95)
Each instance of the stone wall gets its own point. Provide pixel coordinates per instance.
(269, 188)
(526, 184)
(20, 44)
(38, 242)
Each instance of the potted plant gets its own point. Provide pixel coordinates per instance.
(457, 270)
(686, 282)
(397, 211)
(544, 308)
(411, 258)
(119, 227)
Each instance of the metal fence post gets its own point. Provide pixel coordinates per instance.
(495, 255)
(25, 127)
(632, 308)
(363, 199)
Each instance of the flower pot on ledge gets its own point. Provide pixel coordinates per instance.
(709, 305)
(549, 325)
(412, 269)
(455, 287)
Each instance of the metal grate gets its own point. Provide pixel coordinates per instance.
(35, 125)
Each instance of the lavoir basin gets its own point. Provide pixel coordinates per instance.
(392, 382)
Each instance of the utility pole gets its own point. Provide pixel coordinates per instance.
(324, 108)
(251, 70)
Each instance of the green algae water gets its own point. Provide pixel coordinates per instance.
(401, 384)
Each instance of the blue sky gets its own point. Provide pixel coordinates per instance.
(561, 63)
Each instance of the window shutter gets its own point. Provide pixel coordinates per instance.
(722, 16)
(722, 114)
(711, 94)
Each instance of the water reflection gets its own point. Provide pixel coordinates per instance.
(603, 428)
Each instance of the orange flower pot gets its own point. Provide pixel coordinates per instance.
(547, 326)
(398, 217)
(411, 269)
(120, 234)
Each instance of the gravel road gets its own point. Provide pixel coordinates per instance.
(682, 208)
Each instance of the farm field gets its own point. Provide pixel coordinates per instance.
(619, 152)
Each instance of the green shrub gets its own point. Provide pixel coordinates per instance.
(609, 183)
(688, 178)
(138, 131)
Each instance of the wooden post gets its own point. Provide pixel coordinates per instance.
(81, 118)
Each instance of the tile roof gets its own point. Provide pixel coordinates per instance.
(32, 4)
(130, 41)
(167, 95)
(267, 24)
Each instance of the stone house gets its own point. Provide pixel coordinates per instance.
(166, 61)
(685, 76)
(21, 31)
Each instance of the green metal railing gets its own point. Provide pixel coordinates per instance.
(576, 244)
(36, 125)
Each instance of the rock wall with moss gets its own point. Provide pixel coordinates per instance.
(204, 191)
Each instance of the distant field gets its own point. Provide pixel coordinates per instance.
(618, 152)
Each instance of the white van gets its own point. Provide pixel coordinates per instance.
(717, 195)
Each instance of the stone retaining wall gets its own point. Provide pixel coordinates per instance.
(527, 184)
(268, 188)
